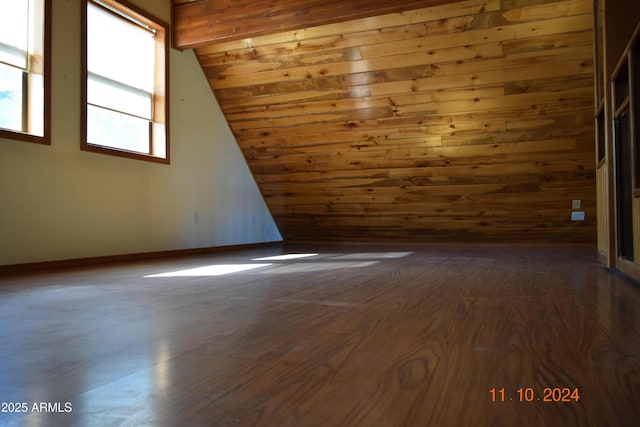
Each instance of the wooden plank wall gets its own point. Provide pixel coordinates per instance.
(471, 121)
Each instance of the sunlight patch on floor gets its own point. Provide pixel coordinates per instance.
(211, 270)
(317, 266)
(284, 257)
(373, 255)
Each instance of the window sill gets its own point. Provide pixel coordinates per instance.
(19, 136)
(125, 154)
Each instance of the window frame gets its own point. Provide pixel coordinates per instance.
(44, 139)
(161, 84)
(634, 93)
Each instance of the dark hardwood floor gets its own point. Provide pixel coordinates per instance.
(356, 335)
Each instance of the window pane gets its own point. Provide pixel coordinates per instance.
(116, 130)
(14, 32)
(36, 104)
(119, 50)
(10, 98)
(13, 56)
(117, 97)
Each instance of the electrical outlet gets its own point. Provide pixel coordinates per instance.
(577, 216)
(576, 204)
(196, 217)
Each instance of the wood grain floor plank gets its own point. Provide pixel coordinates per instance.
(344, 335)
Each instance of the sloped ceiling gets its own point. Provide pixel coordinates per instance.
(465, 121)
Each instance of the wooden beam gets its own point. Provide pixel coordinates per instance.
(206, 21)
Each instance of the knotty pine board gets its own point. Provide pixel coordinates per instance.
(469, 121)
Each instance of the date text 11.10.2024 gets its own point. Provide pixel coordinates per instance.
(529, 394)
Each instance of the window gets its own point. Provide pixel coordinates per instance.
(25, 38)
(125, 68)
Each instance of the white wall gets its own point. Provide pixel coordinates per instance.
(57, 202)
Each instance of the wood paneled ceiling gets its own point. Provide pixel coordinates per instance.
(204, 21)
(465, 121)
